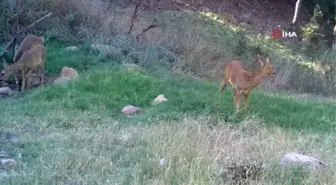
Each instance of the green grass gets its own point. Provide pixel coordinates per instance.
(72, 134)
(110, 88)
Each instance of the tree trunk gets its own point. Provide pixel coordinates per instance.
(297, 7)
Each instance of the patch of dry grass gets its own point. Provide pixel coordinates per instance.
(195, 150)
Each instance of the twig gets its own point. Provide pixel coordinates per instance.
(6, 49)
(144, 31)
(134, 16)
(34, 23)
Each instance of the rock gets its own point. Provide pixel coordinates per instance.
(6, 91)
(3, 84)
(130, 110)
(162, 162)
(12, 137)
(34, 79)
(305, 161)
(9, 136)
(205, 9)
(3, 154)
(107, 50)
(131, 67)
(62, 80)
(69, 72)
(72, 48)
(159, 99)
(8, 163)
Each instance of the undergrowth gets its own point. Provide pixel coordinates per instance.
(195, 43)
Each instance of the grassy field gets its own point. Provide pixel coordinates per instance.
(75, 133)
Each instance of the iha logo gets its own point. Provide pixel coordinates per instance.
(278, 33)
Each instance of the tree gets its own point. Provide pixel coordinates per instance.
(297, 7)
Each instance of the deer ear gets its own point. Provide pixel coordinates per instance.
(258, 59)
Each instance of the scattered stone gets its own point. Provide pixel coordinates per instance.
(62, 80)
(8, 136)
(159, 99)
(107, 50)
(296, 159)
(3, 84)
(205, 9)
(6, 91)
(34, 79)
(7, 163)
(131, 67)
(162, 162)
(69, 72)
(130, 110)
(3, 154)
(72, 48)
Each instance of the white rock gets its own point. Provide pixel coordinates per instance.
(308, 162)
(162, 162)
(6, 91)
(72, 48)
(159, 99)
(130, 110)
(107, 50)
(62, 80)
(69, 72)
(8, 163)
(131, 67)
(34, 79)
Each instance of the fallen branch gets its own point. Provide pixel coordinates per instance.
(145, 30)
(10, 44)
(134, 16)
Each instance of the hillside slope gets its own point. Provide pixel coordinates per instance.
(75, 133)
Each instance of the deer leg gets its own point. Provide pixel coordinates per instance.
(246, 99)
(236, 99)
(222, 88)
(23, 80)
(16, 81)
(41, 73)
(28, 78)
(225, 82)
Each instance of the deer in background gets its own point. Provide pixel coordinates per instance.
(27, 64)
(243, 81)
(28, 42)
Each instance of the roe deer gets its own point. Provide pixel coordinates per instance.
(27, 64)
(28, 42)
(244, 81)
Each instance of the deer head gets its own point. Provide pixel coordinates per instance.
(4, 73)
(266, 65)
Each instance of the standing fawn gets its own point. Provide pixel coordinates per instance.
(244, 81)
(28, 42)
(27, 64)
